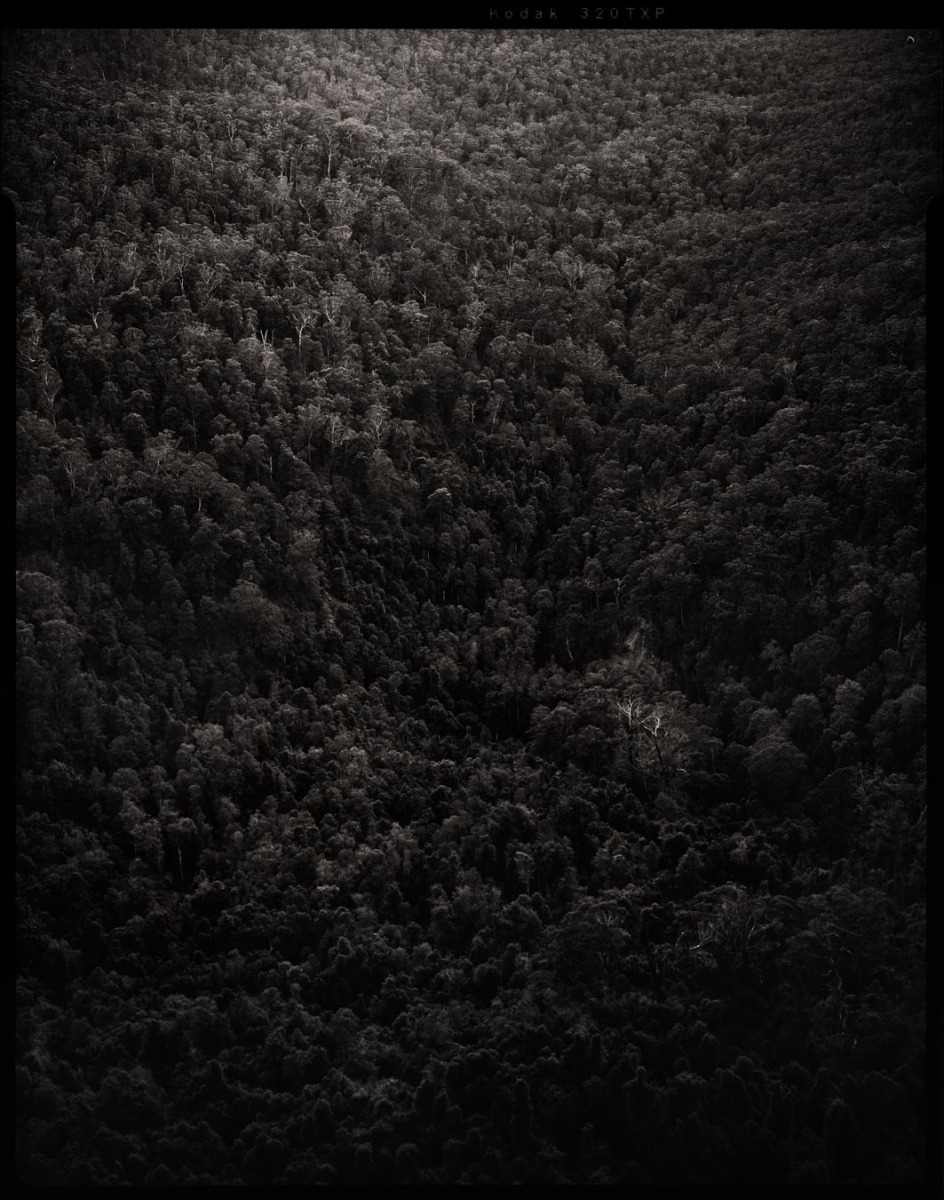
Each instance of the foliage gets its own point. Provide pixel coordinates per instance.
(471, 713)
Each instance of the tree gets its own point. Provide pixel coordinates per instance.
(776, 768)
(589, 946)
(657, 740)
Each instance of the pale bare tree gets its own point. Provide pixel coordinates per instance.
(376, 422)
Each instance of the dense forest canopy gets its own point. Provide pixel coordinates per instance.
(470, 604)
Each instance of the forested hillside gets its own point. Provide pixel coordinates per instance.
(471, 537)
